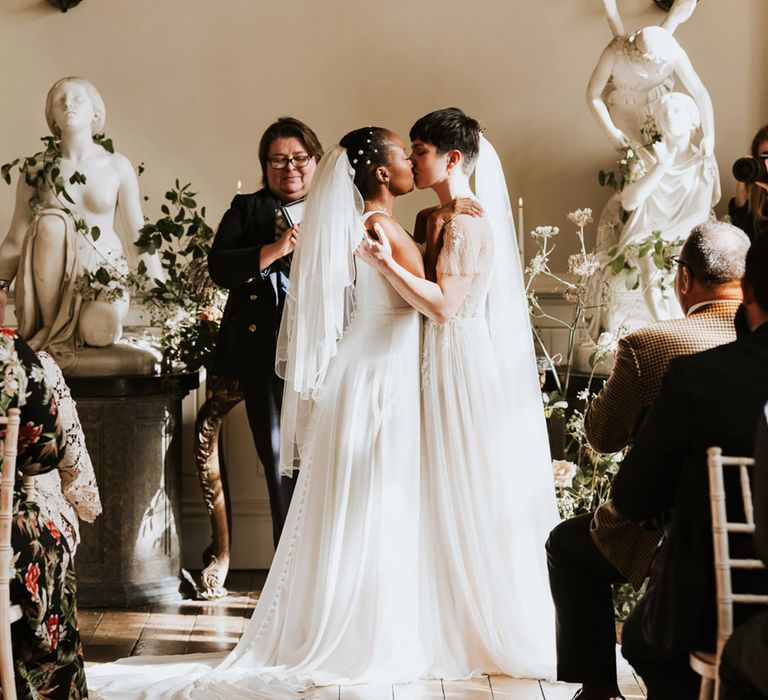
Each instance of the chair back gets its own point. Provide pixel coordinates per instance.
(721, 528)
(10, 446)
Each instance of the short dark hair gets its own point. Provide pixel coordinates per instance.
(284, 128)
(756, 270)
(448, 130)
(714, 252)
(367, 149)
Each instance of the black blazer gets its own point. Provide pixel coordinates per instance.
(245, 348)
(713, 398)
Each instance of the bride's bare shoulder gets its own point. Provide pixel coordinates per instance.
(404, 248)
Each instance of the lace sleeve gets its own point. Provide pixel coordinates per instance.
(462, 245)
(78, 481)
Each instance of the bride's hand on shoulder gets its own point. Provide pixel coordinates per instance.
(457, 206)
(375, 248)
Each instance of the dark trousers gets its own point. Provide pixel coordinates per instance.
(744, 666)
(263, 401)
(666, 672)
(580, 578)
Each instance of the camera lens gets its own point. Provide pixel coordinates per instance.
(746, 169)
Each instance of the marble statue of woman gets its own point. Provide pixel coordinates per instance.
(45, 253)
(635, 70)
(678, 190)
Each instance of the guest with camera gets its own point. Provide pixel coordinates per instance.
(250, 256)
(749, 208)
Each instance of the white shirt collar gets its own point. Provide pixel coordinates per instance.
(701, 304)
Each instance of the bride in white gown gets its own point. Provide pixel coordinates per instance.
(488, 501)
(341, 601)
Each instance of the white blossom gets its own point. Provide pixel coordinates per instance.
(581, 217)
(563, 472)
(537, 265)
(545, 232)
(583, 265)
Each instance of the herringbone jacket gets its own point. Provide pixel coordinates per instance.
(615, 415)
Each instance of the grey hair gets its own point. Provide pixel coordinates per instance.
(97, 100)
(716, 252)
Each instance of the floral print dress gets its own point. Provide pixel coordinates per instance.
(47, 651)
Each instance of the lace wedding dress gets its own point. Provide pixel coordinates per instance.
(488, 501)
(340, 604)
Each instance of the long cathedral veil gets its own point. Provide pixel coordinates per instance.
(512, 337)
(320, 300)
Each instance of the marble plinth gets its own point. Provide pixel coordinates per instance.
(131, 555)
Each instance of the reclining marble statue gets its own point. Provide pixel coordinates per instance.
(48, 254)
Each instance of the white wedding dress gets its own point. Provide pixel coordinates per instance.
(341, 601)
(488, 500)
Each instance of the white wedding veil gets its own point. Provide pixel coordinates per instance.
(320, 299)
(511, 334)
(508, 316)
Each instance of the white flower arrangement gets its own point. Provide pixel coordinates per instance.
(563, 472)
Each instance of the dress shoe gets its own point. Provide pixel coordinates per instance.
(581, 695)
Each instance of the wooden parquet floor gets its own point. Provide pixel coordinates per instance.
(204, 626)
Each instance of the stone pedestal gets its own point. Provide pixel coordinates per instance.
(131, 555)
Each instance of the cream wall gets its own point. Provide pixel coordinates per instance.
(189, 86)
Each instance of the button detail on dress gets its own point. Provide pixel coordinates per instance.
(253, 297)
(252, 328)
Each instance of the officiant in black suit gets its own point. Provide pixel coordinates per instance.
(713, 398)
(250, 256)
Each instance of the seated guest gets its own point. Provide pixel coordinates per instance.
(590, 552)
(47, 652)
(748, 209)
(69, 493)
(713, 398)
(743, 668)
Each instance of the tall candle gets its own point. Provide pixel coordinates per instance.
(521, 230)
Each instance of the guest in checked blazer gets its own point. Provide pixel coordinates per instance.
(713, 398)
(590, 552)
(743, 668)
(250, 256)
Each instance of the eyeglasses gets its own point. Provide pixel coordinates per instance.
(678, 262)
(5, 285)
(281, 162)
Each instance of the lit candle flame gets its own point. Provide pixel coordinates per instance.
(240, 186)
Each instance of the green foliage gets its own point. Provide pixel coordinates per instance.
(660, 251)
(186, 306)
